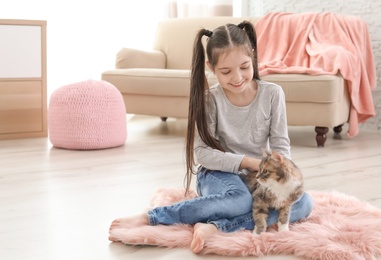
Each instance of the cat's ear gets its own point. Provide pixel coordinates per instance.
(278, 156)
(265, 153)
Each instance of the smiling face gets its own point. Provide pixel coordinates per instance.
(234, 71)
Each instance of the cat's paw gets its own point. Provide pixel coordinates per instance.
(257, 231)
(283, 227)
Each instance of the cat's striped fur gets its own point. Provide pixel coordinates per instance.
(277, 184)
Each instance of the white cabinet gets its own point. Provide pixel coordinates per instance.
(23, 92)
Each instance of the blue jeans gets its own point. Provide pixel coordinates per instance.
(225, 201)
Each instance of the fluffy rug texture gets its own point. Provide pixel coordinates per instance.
(340, 227)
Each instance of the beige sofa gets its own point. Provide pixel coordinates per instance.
(156, 82)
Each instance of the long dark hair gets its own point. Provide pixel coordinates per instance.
(221, 40)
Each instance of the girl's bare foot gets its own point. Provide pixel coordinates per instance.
(113, 239)
(130, 222)
(201, 232)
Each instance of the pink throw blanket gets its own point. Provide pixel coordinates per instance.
(321, 43)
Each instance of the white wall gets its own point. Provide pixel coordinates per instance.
(369, 10)
(83, 36)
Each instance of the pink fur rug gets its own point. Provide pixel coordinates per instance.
(340, 227)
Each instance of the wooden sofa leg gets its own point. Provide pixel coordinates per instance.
(321, 135)
(338, 129)
(164, 119)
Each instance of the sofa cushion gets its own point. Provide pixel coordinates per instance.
(159, 82)
(152, 82)
(305, 88)
(309, 89)
(155, 82)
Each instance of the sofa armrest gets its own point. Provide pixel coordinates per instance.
(134, 58)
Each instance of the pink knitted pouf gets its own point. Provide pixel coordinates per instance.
(87, 115)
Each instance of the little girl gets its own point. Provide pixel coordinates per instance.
(228, 124)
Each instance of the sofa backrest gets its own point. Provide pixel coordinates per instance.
(175, 37)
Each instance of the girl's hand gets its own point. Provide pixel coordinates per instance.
(249, 163)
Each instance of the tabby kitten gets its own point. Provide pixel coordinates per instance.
(277, 184)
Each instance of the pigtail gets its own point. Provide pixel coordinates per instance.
(196, 109)
(251, 33)
(197, 117)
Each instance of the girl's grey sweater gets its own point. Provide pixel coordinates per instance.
(244, 130)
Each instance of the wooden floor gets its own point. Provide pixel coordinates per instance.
(58, 204)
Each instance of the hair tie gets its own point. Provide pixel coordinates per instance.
(208, 33)
(241, 25)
